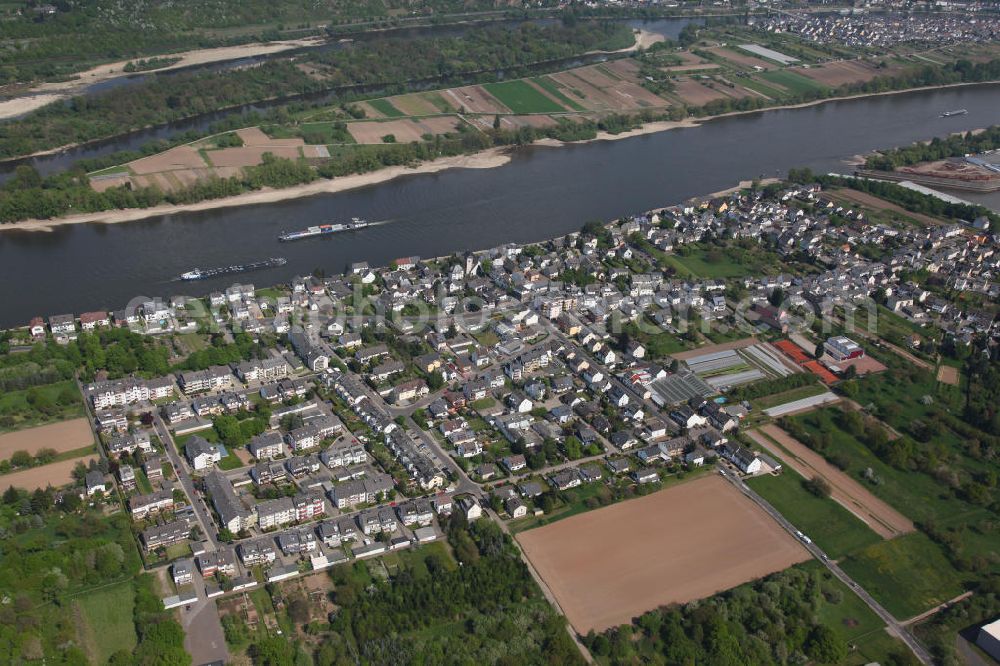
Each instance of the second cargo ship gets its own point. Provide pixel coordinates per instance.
(323, 229)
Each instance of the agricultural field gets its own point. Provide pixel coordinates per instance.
(838, 73)
(59, 437)
(105, 622)
(521, 97)
(790, 81)
(55, 474)
(403, 130)
(742, 60)
(697, 93)
(386, 108)
(555, 90)
(473, 99)
(689, 554)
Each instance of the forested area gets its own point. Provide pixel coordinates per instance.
(954, 145)
(390, 62)
(480, 50)
(53, 553)
(48, 46)
(775, 620)
(163, 99)
(485, 611)
(772, 386)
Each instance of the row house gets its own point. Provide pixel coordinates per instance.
(312, 434)
(360, 491)
(266, 472)
(117, 392)
(415, 512)
(258, 552)
(262, 370)
(233, 515)
(176, 412)
(221, 562)
(130, 443)
(141, 506)
(295, 542)
(267, 445)
(275, 513)
(111, 420)
(344, 454)
(214, 378)
(308, 505)
(161, 536)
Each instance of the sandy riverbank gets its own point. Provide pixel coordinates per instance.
(485, 160)
(46, 93)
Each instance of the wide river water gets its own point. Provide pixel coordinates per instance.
(541, 193)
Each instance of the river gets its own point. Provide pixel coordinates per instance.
(542, 193)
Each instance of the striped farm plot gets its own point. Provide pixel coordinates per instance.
(728, 368)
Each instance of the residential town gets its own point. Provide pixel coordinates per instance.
(507, 384)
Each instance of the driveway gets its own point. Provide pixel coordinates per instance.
(204, 639)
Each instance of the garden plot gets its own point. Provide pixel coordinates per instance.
(680, 387)
(696, 93)
(770, 54)
(838, 73)
(404, 130)
(474, 99)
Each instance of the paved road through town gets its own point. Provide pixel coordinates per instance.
(200, 510)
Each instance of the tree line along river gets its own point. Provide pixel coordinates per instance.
(542, 193)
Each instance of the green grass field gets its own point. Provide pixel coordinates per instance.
(230, 462)
(916, 495)
(908, 575)
(40, 405)
(788, 396)
(550, 86)
(795, 83)
(439, 102)
(386, 108)
(520, 97)
(830, 525)
(105, 621)
(710, 263)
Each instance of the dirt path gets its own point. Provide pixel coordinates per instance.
(872, 201)
(884, 520)
(926, 614)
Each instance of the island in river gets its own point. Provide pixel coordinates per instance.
(439, 129)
